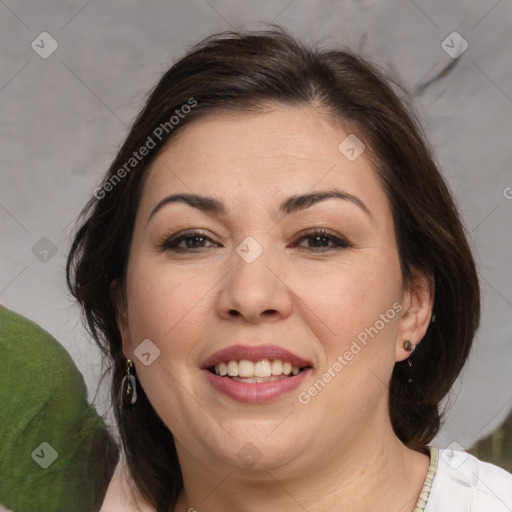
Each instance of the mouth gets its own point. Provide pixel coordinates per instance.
(255, 374)
(264, 370)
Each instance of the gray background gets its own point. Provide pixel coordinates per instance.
(63, 118)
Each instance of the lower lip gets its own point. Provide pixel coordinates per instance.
(255, 392)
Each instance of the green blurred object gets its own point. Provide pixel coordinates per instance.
(496, 448)
(55, 451)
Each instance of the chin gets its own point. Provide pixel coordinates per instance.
(258, 449)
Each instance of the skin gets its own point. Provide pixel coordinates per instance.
(338, 451)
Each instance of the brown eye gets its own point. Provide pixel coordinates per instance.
(193, 240)
(319, 239)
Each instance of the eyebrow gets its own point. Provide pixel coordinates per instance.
(288, 206)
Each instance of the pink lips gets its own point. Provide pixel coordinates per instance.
(258, 392)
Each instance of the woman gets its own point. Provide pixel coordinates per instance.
(278, 272)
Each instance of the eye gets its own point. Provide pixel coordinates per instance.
(192, 239)
(320, 236)
(197, 239)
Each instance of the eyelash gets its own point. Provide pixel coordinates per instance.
(171, 242)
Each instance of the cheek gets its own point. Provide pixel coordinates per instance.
(351, 296)
(361, 309)
(166, 305)
(343, 308)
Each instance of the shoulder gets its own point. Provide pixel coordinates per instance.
(27, 347)
(494, 485)
(47, 421)
(40, 377)
(463, 483)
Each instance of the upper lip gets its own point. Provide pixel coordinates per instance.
(254, 353)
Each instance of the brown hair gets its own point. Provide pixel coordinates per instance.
(243, 72)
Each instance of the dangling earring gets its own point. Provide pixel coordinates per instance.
(410, 348)
(128, 386)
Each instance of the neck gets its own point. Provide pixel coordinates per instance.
(371, 471)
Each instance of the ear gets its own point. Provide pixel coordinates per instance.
(417, 311)
(118, 297)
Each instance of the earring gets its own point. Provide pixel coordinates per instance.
(128, 386)
(409, 346)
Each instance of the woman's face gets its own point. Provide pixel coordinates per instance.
(257, 284)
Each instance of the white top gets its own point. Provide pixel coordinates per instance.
(456, 482)
(463, 483)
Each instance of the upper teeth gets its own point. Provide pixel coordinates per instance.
(263, 368)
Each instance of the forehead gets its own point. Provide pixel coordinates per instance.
(260, 158)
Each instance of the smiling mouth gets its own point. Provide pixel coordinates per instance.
(251, 372)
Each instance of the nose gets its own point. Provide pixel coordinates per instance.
(254, 291)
